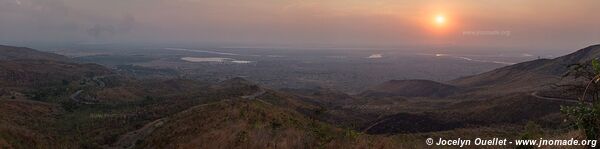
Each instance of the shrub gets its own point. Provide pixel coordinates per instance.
(586, 115)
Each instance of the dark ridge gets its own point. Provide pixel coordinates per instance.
(411, 88)
(16, 53)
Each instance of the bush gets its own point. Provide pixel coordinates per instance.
(586, 115)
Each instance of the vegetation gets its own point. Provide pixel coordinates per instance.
(88, 106)
(532, 131)
(586, 115)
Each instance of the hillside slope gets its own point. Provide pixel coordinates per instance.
(14, 53)
(410, 88)
(527, 76)
(30, 73)
(252, 124)
(25, 124)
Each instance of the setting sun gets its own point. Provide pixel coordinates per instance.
(439, 23)
(440, 20)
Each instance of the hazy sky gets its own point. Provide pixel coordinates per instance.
(551, 24)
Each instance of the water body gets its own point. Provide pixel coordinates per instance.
(215, 60)
(376, 56)
(202, 51)
(474, 60)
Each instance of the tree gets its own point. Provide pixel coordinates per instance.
(585, 115)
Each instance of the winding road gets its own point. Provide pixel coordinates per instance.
(76, 94)
(375, 124)
(535, 94)
(96, 79)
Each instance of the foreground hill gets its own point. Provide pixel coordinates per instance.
(253, 124)
(24, 124)
(410, 88)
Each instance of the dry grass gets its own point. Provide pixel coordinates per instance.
(27, 124)
(254, 124)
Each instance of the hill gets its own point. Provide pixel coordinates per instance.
(24, 124)
(410, 88)
(39, 73)
(502, 96)
(527, 76)
(25, 69)
(14, 53)
(253, 124)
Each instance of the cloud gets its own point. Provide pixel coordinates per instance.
(122, 26)
(99, 31)
(63, 21)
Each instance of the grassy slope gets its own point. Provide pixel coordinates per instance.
(254, 124)
(29, 124)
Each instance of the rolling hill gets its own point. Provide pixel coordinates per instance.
(527, 76)
(39, 73)
(14, 53)
(253, 124)
(410, 88)
(501, 96)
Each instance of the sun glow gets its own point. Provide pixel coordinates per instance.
(440, 23)
(439, 20)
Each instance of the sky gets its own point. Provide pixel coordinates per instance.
(539, 24)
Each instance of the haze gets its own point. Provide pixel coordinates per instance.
(536, 24)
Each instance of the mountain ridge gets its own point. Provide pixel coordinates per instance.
(410, 88)
(528, 76)
(15, 53)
